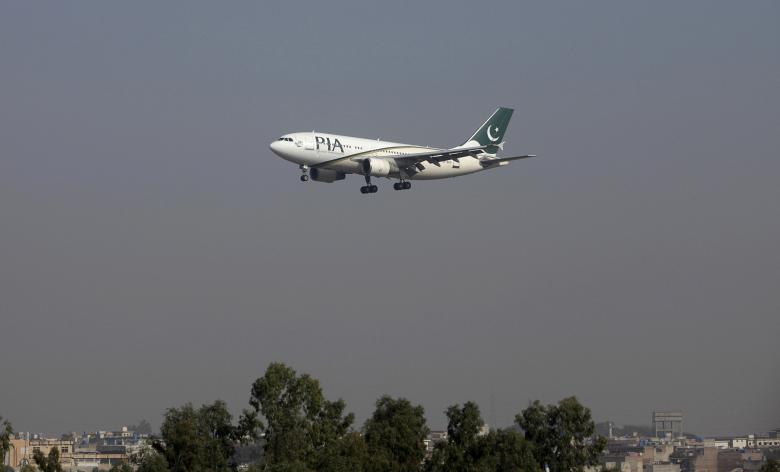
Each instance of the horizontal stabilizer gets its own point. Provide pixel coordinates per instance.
(499, 160)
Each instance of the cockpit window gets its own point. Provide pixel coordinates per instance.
(286, 139)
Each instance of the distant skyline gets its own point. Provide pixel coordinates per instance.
(598, 421)
(153, 251)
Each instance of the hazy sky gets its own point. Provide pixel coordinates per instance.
(153, 251)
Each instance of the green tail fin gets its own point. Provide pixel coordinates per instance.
(492, 131)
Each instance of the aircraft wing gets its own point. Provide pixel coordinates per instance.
(434, 156)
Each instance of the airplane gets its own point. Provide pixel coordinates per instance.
(330, 157)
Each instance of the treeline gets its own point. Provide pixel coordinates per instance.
(297, 429)
(292, 427)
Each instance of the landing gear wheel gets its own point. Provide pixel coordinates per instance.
(304, 178)
(397, 186)
(407, 185)
(368, 188)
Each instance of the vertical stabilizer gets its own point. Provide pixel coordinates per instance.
(493, 129)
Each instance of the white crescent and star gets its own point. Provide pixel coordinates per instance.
(490, 136)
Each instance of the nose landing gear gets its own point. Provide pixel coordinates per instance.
(304, 172)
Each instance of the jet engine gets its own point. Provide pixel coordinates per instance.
(376, 167)
(327, 175)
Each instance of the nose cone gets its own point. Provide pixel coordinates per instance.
(276, 147)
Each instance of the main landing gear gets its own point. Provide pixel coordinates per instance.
(368, 188)
(304, 172)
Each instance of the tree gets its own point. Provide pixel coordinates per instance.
(467, 450)
(508, 451)
(50, 463)
(300, 424)
(347, 454)
(463, 424)
(152, 462)
(28, 468)
(6, 432)
(215, 423)
(394, 435)
(770, 466)
(562, 435)
(196, 440)
(458, 452)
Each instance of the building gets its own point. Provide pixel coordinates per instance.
(71, 457)
(696, 458)
(706, 460)
(720, 443)
(657, 454)
(668, 424)
(624, 445)
(756, 441)
(662, 467)
(125, 441)
(739, 443)
(730, 460)
(80, 452)
(23, 450)
(433, 438)
(631, 462)
(764, 441)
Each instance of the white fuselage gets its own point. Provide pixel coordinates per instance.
(312, 148)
